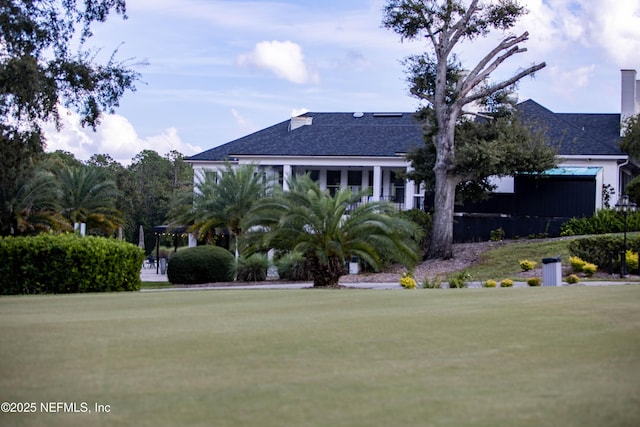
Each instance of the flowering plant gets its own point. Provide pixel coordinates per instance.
(407, 281)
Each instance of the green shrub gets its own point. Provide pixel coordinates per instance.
(434, 283)
(572, 279)
(576, 263)
(604, 251)
(490, 284)
(424, 220)
(632, 260)
(496, 235)
(253, 268)
(526, 265)
(534, 281)
(506, 283)
(291, 267)
(460, 280)
(589, 269)
(68, 263)
(202, 264)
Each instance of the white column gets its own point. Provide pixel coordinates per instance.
(377, 182)
(409, 194)
(344, 182)
(286, 174)
(365, 182)
(323, 179)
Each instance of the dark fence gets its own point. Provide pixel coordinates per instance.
(476, 228)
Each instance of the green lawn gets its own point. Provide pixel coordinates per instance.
(567, 356)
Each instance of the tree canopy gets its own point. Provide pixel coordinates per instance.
(45, 65)
(438, 78)
(630, 141)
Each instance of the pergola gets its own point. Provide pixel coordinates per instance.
(173, 230)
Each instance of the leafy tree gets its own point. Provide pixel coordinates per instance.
(328, 229)
(501, 146)
(630, 141)
(39, 70)
(44, 65)
(633, 190)
(438, 79)
(151, 192)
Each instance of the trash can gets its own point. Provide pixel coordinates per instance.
(354, 266)
(551, 271)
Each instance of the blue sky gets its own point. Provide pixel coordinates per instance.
(213, 71)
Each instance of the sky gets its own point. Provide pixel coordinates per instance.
(216, 70)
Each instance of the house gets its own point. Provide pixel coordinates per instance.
(367, 150)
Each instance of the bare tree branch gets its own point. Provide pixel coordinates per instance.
(471, 81)
(499, 86)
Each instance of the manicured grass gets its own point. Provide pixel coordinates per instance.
(504, 261)
(566, 356)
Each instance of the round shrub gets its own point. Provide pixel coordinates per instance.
(632, 260)
(576, 263)
(589, 269)
(490, 283)
(202, 264)
(407, 281)
(506, 283)
(534, 281)
(572, 279)
(526, 265)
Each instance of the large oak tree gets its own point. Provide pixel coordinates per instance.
(45, 65)
(438, 78)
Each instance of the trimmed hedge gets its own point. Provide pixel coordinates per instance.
(202, 264)
(67, 263)
(603, 251)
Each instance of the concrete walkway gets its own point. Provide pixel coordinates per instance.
(150, 275)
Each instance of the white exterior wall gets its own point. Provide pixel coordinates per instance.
(380, 166)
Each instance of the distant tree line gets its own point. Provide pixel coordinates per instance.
(59, 190)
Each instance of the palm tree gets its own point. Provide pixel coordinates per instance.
(34, 206)
(221, 201)
(89, 196)
(328, 230)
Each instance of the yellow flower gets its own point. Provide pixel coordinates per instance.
(407, 281)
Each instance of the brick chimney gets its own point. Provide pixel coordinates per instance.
(630, 96)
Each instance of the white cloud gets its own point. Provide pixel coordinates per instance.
(611, 26)
(115, 136)
(284, 59)
(245, 125)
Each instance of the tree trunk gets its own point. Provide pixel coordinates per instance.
(445, 189)
(442, 231)
(325, 275)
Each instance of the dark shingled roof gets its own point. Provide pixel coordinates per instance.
(331, 134)
(572, 133)
(385, 135)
